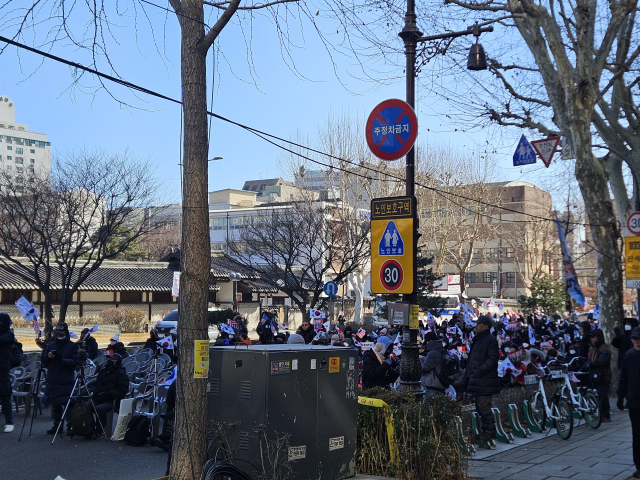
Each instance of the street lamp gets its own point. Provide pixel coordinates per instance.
(235, 276)
(220, 158)
(410, 363)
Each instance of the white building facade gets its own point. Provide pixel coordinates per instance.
(21, 151)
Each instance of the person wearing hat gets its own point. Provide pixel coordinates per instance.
(585, 338)
(629, 388)
(60, 358)
(481, 375)
(88, 344)
(431, 364)
(111, 383)
(378, 368)
(6, 343)
(116, 346)
(622, 340)
(295, 339)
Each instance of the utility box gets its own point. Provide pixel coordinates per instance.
(304, 391)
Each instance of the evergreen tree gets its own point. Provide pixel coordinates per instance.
(547, 293)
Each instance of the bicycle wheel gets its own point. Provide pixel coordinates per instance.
(564, 422)
(593, 415)
(537, 411)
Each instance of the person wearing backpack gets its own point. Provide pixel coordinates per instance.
(481, 375)
(431, 364)
(112, 383)
(6, 344)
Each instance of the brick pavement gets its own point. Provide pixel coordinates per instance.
(602, 454)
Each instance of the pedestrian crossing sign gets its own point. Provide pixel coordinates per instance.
(391, 242)
(392, 232)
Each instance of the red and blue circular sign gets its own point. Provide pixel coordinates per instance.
(391, 129)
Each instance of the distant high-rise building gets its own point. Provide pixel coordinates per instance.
(21, 151)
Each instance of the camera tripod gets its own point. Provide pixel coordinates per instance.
(78, 386)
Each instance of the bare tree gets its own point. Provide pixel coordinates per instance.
(58, 229)
(454, 218)
(297, 246)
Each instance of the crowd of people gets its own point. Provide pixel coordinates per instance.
(477, 355)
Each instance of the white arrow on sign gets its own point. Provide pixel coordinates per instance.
(546, 148)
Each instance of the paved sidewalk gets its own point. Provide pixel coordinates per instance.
(602, 454)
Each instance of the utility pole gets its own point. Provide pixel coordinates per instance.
(409, 361)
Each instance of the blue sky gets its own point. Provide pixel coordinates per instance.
(281, 104)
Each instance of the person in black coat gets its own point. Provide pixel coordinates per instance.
(60, 358)
(481, 374)
(622, 340)
(585, 341)
(88, 344)
(152, 341)
(378, 368)
(629, 388)
(116, 346)
(6, 343)
(307, 331)
(112, 383)
(431, 364)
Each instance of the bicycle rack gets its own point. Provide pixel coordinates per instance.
(533, 426)
(475, 426)
(501, 435)
(514, 421)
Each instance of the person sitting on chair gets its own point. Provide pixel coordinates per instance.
(112, 383)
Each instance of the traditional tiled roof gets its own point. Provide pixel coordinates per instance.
(260, 286)
(110, 276)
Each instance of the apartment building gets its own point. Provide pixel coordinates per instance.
(21, 151)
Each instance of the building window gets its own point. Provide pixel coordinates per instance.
(9, 168)
(511, 252)
(19, 169)
(218, 247)
(32, 150)
(237, 222)
(32, 161)
(468, 210)
(218, 223)
(9, 157)
(19, 160)
(426, 213)
(9, 147)
(510, 277)
(491, 252)
(471, 277)
(489, 277)
(19, 151)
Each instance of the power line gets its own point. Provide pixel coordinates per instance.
(263, 135)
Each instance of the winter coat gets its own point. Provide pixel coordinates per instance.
(6, 343)
(431, 366)
(151, 343)
(622, 341)
(111, 383)
(629, 385)
(600, 363)
(374, 373)
(585, 345)
(481, 374)
(309, 334)
(90, 346)
(117, 348)
(60, 370)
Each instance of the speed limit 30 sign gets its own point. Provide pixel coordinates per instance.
(392, 244)
(633, 223)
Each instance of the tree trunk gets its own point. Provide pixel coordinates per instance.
(189, 441)
(604, 230)
(48, 316)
